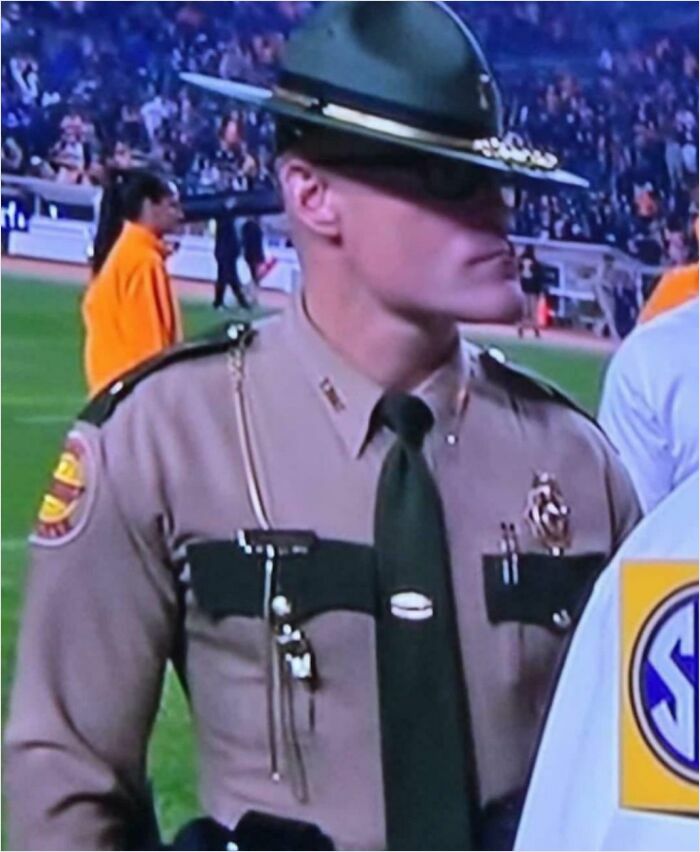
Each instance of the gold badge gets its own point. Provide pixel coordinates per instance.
(547, 514)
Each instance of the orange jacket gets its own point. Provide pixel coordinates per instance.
(676, 286)
(129, 310)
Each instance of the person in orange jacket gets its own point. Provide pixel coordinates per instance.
(130, 311)
(677, 286)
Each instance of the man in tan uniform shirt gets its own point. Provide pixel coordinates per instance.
(173, 478)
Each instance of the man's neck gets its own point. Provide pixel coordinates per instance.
(395, 351)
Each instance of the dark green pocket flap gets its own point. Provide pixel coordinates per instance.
(333, 575)
(537, 588)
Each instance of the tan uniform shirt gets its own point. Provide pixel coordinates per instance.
(166, 469)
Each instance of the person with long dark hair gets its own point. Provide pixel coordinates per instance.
(130, 311)
(532, 285)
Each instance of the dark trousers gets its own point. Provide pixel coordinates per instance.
(255, 831)
(497, 826)
(227, 276)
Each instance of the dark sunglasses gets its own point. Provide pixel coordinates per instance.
(436, 178)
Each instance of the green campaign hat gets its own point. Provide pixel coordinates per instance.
(407, 73)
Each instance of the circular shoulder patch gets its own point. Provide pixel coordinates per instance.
(66, 505)
(664, 682)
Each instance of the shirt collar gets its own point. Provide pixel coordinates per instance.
(445, 390)
(136, 233)
(349, 397)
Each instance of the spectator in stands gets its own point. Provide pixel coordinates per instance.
(132, 127)
(154, 113)
(623, 113)
(236, 63)
(25, 72)
(265, 176)
(646, 203)
(674, 160)
(183, 154)
(647, 244)
(230, 132)
(70, 157)
(122, 156)
(72, 124)
(689, 155)
(675, 242)
(12, 156)
(130, 310)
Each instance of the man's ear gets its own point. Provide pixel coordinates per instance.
(309, 196)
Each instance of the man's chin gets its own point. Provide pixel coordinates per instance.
(497, 304)
(501, 305)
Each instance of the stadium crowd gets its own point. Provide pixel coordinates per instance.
(85, 85)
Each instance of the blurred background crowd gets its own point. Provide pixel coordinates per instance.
(86, 85)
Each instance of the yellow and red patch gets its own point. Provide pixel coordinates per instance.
(63, 507)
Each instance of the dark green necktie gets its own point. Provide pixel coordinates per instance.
(426, 741)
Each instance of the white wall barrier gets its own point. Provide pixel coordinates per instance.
(61, 240)
(579, 265)
(70, 241)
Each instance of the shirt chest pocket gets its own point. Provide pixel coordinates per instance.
(533, 600)
(549, 591)
(287, 615)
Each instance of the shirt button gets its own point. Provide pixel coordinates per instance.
(451, 439)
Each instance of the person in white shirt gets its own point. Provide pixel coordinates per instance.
(154, 112)
(575, 792)
(650, 403)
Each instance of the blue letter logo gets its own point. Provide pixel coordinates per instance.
(664, 682)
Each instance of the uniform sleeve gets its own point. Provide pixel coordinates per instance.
(625, 509)
(623, 499)
(635, 430)
(96, 632)
(156, 315)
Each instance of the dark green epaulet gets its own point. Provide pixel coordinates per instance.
(525, 383)
(231, 336)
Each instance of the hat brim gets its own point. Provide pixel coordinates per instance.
(265, 98)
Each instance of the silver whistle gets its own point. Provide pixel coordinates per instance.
(297, 654)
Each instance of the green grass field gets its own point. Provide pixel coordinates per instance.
(42, 390)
